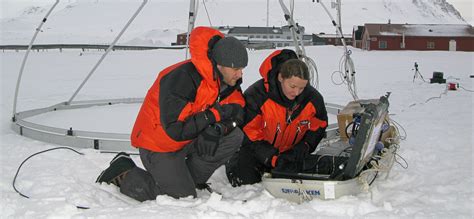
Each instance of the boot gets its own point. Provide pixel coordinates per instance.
(118, 169)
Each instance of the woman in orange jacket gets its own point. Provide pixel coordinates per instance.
(285, 117)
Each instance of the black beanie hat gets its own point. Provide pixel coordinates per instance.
(230, 52)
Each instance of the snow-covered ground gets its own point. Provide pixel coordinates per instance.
(438, 182)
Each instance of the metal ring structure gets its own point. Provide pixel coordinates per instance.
(104, 141)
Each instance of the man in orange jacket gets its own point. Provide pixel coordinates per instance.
(187, 124)
(285, 119)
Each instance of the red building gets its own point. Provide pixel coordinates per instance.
(449, 37)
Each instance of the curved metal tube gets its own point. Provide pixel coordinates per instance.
(336, 25)
(38, 29)
(291, 22)
(104, 141)
(108, 50)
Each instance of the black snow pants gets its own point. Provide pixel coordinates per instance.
(177, 173)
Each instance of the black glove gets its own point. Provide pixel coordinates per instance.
(286, 162)
(293, 160)
(301, 151)
(231, 169)
(264, 152)
(238, 116)
(231, 111)
(208, 141)
(226, 126)
(233, 179)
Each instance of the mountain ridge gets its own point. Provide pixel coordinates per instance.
(99, 21)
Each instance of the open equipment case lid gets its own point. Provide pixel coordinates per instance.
(372, 118)
(368, 135)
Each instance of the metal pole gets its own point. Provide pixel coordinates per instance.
(107, 51)
(338, 27)
(38, 29)
(338, 7)
(339, 4)
(299, 44)
(268, 11)
(293, 28)
(348, 63)
(191, 20)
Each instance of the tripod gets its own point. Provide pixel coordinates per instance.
(417, 73)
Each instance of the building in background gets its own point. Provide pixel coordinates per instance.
(357, 33)
(331, 39)
(258, 37)
(448, 37)
(181, 39)
(266, 36)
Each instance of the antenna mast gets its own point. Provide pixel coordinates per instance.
(268, 11)
(193, 7)
(346, 65)
(338, 8)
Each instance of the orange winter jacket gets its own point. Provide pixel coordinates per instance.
(273, 119)
(178, 106)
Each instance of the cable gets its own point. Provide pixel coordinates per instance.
(445, 92)
(313, 70)
(51, 149)
(438, 97)
(397, 127)
(405, 161)
(376, 174)
(18, 170)
(37, 153)
(465, 89)
(396, 145)
(346, 65)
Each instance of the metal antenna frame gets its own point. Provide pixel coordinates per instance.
(349, 69)
(104, 141)
(107, 51)
(25, 58)
(76, 138)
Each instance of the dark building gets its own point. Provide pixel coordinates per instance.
(261, 37)
(331, 39)
(258, 37)
(357, 33)
(181, 39)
